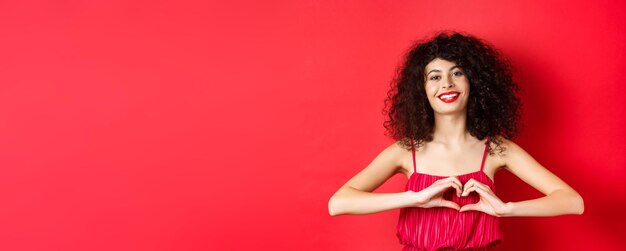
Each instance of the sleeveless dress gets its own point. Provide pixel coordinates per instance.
(443, 228)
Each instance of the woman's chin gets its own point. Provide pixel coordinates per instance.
(449, 111)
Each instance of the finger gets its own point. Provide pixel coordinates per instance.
(466, 188)
(458, 186)
(475, 182)
(469, 207)
(469, 190)
(482, 193)
(468, 185)
(488, 195)
(452, 179)
(450, 204)
(456, 180)
(444, 185)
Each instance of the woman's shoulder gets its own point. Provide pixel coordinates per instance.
(397, 149)
(403, 147)
(494, 155)
(396, 152)
(506, 149)
(401, 150)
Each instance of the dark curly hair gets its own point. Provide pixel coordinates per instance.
(493, 107)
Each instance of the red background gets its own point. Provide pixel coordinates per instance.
(227, 125)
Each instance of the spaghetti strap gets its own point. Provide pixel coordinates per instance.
(413, 153)
(482, 164)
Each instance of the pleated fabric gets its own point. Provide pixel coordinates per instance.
(442, 228)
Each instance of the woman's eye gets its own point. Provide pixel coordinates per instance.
(435, 77)
(458, 73)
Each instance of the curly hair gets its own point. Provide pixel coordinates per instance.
(493, 108)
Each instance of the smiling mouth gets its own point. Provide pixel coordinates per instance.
(449, 97)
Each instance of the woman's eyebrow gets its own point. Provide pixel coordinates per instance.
(432, 71)
(435, 70)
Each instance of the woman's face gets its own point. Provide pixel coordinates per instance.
(447, 86)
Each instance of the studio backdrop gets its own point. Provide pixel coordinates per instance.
(227, 125)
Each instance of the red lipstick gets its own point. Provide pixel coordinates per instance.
(449, 97)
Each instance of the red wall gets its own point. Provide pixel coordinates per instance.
(171, 125)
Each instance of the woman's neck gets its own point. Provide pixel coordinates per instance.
(451, 130)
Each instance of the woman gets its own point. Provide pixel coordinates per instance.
(453, 111)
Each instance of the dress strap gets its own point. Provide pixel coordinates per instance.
(484, 154)
(413, 153)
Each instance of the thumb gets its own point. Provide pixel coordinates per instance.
(450, 204)
(469, 207)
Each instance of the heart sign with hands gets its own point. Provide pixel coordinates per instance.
(488, 202)
(473, 195)
(433, 196)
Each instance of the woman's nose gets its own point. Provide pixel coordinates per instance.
(447, 83)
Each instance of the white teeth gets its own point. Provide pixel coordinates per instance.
(449, 96)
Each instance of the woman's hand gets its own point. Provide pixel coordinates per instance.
(432, 196)
(489, 203)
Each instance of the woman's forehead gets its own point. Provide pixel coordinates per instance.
(439, 64)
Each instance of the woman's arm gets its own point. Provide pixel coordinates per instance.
(353, 201)
(356, 196)
(559, 197)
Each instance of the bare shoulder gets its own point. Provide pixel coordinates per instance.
(386, 164)
(496, 160)
(396, 153)
(511, 151)
(524, 166)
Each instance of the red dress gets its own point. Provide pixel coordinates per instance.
(443, 228)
